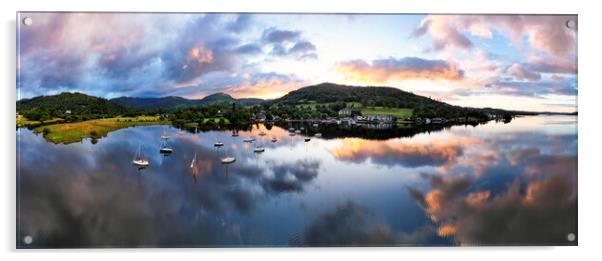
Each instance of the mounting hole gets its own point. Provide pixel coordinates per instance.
(571, 237)
(27, 21)
(27, 240)
(571, 24)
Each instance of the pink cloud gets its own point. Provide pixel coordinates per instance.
(521, 73)
(544, 32)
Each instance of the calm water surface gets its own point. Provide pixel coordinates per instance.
(493, 184)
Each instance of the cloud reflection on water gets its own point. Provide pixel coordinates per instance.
(480, 185)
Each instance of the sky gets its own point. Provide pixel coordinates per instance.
(502, 61)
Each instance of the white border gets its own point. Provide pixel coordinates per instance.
(589, 117)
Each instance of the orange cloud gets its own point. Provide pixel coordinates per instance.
(400, 151)
(264, 89)
(200, 55)
(542, 213)
(383, 70)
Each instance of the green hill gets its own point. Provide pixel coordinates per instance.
(374, 97)
(69, 105)
(217, 98)
(162, 103)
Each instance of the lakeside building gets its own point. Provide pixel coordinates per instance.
(346, 112)
(379, 117)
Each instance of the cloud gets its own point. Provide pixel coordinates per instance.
(443, 33)
(134, 54)
(400, 152)
(263, 85)
(242, 22)
(539, 211)
(542, 88)
(543, 32)
(291, 177)
(542, 65)
(302, 47)
(274, 35)
(347, 225)
(521, 73)
(287, 43)
(383, 70)
(107, 208)
(250, 48)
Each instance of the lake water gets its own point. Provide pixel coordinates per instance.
(493, 184)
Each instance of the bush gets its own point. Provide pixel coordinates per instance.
(46, 131)
(93, 133)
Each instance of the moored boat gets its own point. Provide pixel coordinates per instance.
(139, 160)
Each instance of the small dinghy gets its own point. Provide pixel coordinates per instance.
(259, 149)
(298, 131)
(318, 135)
(262, 133)
(292, 134)
(249, 139)
(228, 160)
(166, 150)
(218, 144)
(274, 139)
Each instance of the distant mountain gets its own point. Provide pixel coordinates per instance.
(73, 103)
(217, 98)
(175, 102)
(165, 103)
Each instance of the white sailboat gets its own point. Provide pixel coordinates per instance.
(193, 162)
(249, 139)
(164, 148)
(228, 159)
(139, 160)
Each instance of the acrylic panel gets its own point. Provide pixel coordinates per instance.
(295, 130)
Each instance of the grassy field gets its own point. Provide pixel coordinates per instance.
(74, 132)
(24, 122)
(395, 112)
(217, 120)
